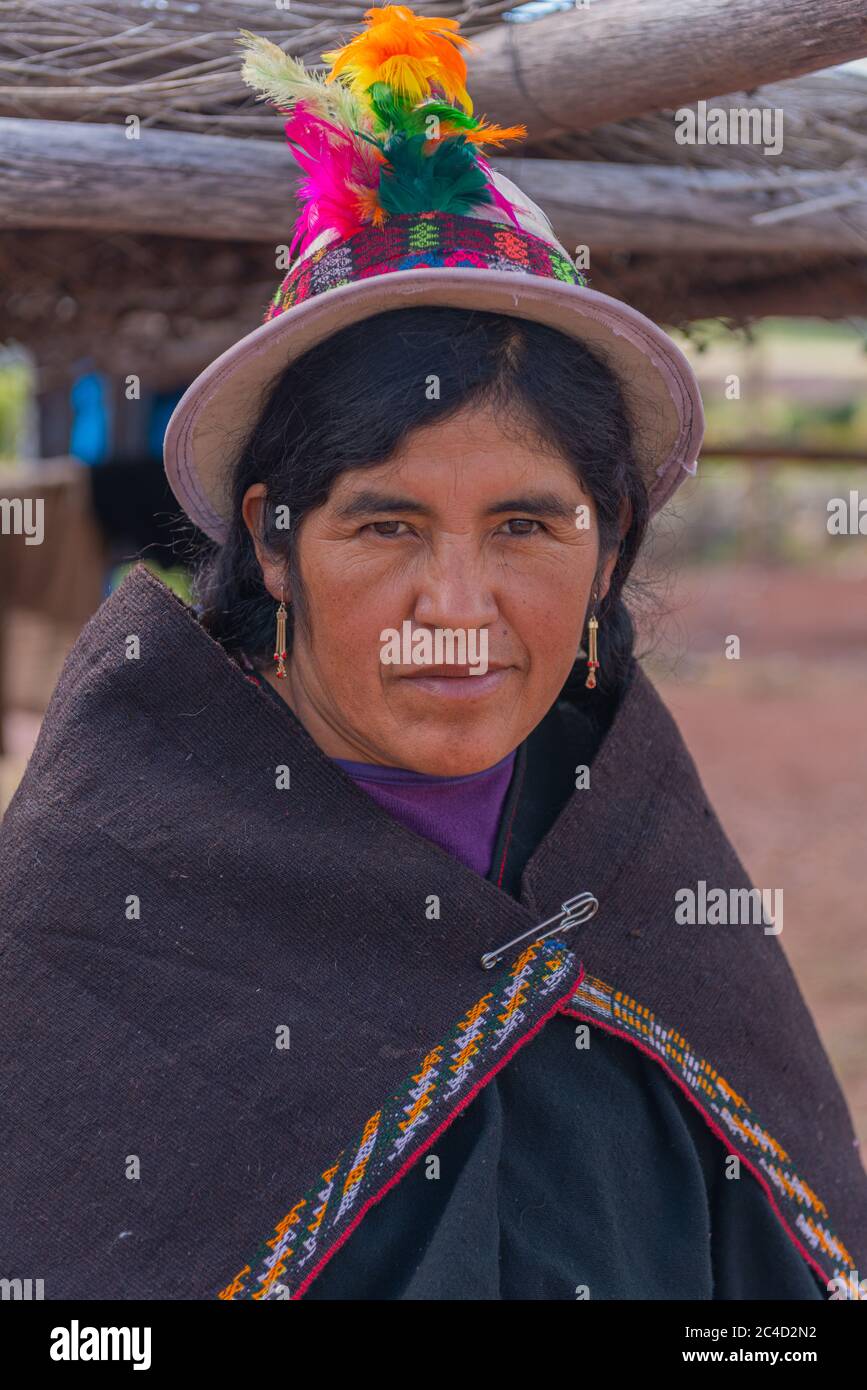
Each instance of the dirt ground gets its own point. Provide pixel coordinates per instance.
(780, 740)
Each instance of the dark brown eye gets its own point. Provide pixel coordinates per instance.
(375, 525)
(522, 521)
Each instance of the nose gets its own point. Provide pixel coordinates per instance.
(454, 589)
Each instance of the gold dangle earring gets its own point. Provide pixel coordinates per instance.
(280, 652)
(592, 658)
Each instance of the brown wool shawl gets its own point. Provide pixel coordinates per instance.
(160, 1142)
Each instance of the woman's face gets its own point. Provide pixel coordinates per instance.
(464, 529)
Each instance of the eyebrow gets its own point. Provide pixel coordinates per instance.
(542, 504)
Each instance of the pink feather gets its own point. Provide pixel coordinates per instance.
(337, 165)
(499, 198)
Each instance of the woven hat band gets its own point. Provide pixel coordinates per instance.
(420, 241)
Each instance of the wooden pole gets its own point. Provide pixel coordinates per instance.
(782, 451)
(603, 60)
(609, 61)
(64, 174)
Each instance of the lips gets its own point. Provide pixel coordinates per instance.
(456, 686)
(452, 671)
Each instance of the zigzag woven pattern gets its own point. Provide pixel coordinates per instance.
(417, 241)
(523, 996)
(800, 1206)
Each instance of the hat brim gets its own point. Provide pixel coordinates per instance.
(213, 418)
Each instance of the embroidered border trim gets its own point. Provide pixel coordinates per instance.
(420, 241)
(524, 995)
(800, 1209)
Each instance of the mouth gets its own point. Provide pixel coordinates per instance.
(456, 682)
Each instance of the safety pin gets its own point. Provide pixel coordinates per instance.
(574, 911)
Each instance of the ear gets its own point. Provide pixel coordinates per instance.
(607, 569)
(273, 570)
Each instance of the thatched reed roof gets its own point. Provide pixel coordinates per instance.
(155, 254)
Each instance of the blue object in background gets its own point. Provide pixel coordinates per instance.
(91, 423)
(124, 445)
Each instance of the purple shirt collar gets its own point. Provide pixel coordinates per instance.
(460, 814)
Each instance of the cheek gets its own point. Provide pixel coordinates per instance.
(551, 593)
(349, 611)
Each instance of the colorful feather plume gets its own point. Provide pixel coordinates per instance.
(381, 135)
(407, 52)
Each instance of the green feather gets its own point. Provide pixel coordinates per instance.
(445, 111)
(396, 115)
(448, 179)
(391, 113)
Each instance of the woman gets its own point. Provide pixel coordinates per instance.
(343, 952)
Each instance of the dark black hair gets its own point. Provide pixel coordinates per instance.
(350, 401)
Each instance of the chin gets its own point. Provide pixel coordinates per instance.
(455, 756)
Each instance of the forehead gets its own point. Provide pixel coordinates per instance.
(471, 453)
